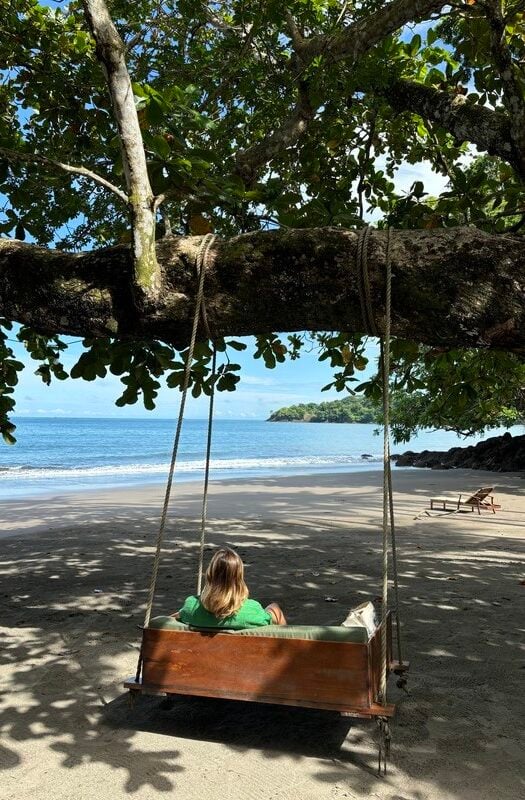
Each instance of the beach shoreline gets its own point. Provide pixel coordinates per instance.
(57, 456)
(228, 496)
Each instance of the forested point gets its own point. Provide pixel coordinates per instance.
(349, 409)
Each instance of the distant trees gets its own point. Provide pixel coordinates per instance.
(349, 409)
(451, 391)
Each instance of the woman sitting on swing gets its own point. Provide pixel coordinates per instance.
(224, 601)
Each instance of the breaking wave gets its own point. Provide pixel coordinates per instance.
(234, 465)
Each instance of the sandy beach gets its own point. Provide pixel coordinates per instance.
(75, 569)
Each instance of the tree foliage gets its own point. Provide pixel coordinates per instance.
(460, 391)
(348, 409)
(255, 115)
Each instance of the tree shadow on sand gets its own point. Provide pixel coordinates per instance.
(71, 607)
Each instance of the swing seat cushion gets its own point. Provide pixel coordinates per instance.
(319, 633)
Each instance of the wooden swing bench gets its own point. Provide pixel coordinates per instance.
(341, 675)
(335, 669)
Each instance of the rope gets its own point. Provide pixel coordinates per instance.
(204, 511)
(367, 314)
(384, 745)
(206, 471)
(201, 261)
(385, 374)
(394, 560)
(363, 280)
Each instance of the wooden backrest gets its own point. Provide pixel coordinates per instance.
(480, 495)
(320, 674)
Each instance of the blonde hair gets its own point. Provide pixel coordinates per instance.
(225, 590)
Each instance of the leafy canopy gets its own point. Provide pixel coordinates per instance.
(211, 80)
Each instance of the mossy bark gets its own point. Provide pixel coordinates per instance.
(146, 270)
(110, 49)
(452, 287)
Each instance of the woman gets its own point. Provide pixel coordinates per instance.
(224, 601)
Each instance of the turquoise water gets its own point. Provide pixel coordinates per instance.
(76, 454)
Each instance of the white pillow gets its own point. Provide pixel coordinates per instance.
(363, 615)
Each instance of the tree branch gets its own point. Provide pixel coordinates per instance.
(467, 122)
(295, 33)
(351, 44)
(110, 51)
(216, 22)
(451, 288)
(32, 158)
(356, 39)
(250, 161)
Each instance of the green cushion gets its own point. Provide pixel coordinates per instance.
(167, 624)
(319, 633)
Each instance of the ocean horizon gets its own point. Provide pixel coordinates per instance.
(63, 454)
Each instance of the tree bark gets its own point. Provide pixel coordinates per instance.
(362, 35)
(111, 54)
(510, 75)
(452, 287)
(468, 122)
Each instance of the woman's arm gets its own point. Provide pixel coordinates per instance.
(276, 613)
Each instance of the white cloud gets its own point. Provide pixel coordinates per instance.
(267, 397)
(237, 414)
(254, 380)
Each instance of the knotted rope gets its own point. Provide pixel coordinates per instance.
(363, 280)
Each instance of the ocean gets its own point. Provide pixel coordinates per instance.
(64, 454)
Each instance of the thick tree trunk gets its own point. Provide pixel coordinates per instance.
(453, 287)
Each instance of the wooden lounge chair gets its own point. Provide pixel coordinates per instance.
(482, 499)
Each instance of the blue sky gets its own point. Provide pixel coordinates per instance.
(260, 391)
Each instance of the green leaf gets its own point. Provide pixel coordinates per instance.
(418, 189)
(236, 345)
(415, 44)
(8, 437)
(159, 146)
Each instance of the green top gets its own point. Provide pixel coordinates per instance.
(250, 615)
